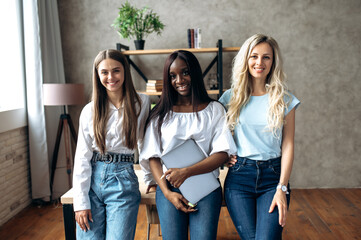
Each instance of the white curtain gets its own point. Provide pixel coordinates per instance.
(44, 64)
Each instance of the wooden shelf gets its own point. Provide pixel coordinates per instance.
(210, 92)
(219, 50)
(169, 51)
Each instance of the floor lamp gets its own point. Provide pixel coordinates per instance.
(63, 95)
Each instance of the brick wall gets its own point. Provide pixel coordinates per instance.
(14, 173)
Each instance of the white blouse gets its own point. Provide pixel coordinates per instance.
(114, 143)
(208, 129)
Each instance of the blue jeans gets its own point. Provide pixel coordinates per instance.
(249, 189)
(202, 223)
(114, 198)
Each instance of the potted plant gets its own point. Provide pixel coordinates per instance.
(137, 23)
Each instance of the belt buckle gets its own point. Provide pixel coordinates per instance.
(107, 158)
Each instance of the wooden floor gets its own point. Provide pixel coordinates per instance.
(314, 214)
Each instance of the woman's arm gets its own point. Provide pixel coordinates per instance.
(288, 147)
(279, 199)
(176, 176)
(82, 171)
(175, 198)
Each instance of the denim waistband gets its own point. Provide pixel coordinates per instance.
(248, 161)
(110, 157)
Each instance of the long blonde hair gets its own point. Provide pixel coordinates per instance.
(101, 104)
(242, 85)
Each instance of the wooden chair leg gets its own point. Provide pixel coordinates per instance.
(152, 217)
(148, 231)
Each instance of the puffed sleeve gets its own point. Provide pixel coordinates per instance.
(222, 137)
(82, 166)
(151, 149)
(142, 119)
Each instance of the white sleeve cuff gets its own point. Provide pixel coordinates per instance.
(81, 202)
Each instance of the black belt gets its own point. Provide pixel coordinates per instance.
(110, 157)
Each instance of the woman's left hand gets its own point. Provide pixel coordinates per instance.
(231, 161)
(176, 176)
(280, 201)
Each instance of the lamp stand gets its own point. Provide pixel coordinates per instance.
(65, 123)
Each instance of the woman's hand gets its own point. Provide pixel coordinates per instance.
(280, 201)
(151, 188)
(179, 202)
(231, 161)
(81, 217)
(176, 176)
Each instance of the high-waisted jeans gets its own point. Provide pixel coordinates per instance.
(202, 224)
(250, 186)
(114, 198)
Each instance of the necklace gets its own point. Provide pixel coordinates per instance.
(120, 106)
(116, 101)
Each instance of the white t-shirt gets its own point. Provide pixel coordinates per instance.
(251, 135)
(114, 143)
(208, 129)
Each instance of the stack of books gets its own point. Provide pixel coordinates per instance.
(194, 37)
(154, 86)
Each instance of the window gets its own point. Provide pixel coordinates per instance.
(12, 91)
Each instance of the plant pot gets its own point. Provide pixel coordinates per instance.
(139, 44)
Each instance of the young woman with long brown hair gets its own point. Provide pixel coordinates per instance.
(111, 127)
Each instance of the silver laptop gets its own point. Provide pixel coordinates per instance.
(196, 187)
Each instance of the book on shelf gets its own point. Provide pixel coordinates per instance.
(189, 38)
(153, 90)
(154, 86)
(159, 89)
(157, 81)
(194, 37)
(199, 38)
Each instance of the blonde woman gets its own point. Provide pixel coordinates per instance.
(106, 189)
(261, 113)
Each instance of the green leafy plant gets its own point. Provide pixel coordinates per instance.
(137, 23)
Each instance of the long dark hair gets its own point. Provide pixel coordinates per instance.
(101, 104)
(169, 95)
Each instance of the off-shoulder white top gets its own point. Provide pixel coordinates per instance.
(207, 127)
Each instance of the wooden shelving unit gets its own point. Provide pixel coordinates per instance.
(210, 92)
(219, 50)
(169, 51)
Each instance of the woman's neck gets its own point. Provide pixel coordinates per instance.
(258, 87)
(184, 100)
(116, 98)
(185, 105)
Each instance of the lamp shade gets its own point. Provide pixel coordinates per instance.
(63, 94)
